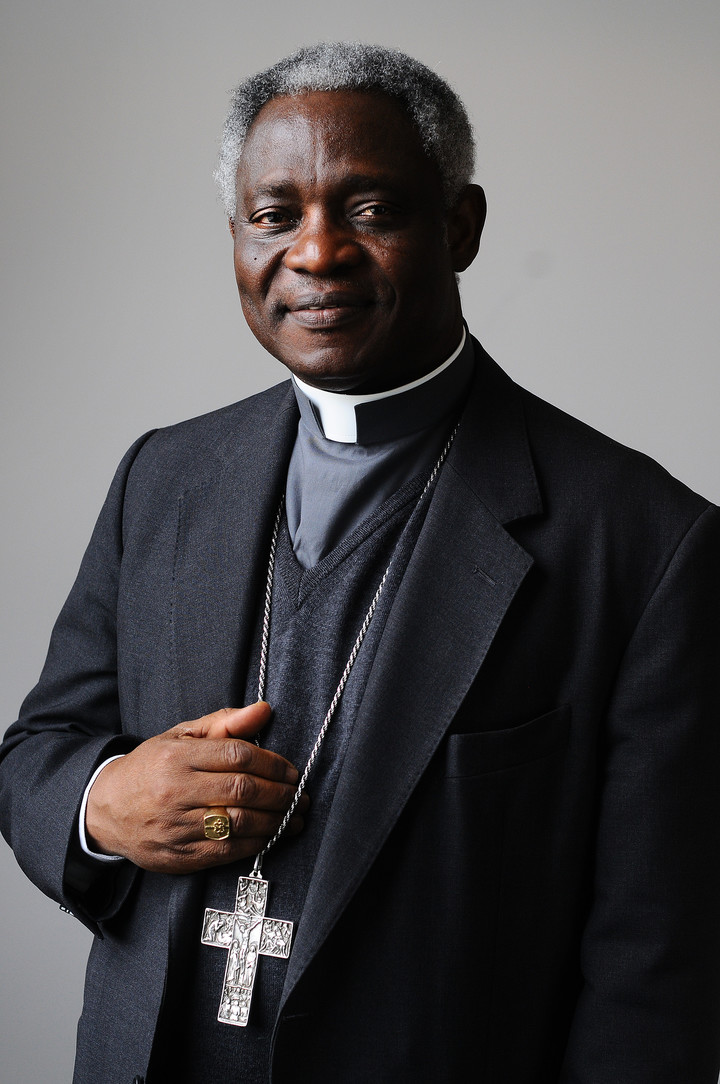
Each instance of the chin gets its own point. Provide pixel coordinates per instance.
(349, 385)
(349, 377)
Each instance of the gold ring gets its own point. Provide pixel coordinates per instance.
(216, 823)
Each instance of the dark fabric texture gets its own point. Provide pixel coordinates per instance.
(316, 616)
(518, 878)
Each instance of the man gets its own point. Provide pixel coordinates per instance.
(476, 643)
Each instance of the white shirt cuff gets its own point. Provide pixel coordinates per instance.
(81, 821)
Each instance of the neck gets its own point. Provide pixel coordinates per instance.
(342, 417)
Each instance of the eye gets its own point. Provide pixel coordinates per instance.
(270, 218)
(374, 210)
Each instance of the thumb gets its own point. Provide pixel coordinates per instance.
(230, 722)
(243, 722)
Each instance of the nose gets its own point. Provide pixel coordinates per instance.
(323, 245)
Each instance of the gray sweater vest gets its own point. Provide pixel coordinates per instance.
(316, 616)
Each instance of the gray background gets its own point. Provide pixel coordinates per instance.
(597, 128)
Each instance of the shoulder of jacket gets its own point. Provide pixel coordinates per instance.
(197, 444)
(598, 468)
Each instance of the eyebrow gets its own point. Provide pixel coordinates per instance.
(371, 180)
(274, 190)
(351, 181)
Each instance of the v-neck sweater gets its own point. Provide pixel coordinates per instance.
(316, 616)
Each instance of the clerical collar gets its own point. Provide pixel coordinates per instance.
(387, 415)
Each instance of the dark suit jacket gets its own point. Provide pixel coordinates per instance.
(519, 878)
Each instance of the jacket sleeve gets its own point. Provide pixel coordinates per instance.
(649, 1009)
(68, 725)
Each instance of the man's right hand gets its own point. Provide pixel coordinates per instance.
(148, 806)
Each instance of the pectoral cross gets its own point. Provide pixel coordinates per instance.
(246, 934)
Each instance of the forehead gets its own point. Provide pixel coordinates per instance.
(334, 134)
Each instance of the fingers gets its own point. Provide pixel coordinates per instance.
(175, 777)
(217, 752)
(251, 825)
(236, 791)
(229, 722)
(245, 823)
(230, 756)
(244, 722)
(185, 848)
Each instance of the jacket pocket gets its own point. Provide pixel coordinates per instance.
(497, 750)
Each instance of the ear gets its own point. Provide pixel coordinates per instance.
(231, 224)
(465, 222)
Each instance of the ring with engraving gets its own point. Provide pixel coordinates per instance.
(216, 823)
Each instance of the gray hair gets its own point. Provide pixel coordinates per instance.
(431, 105)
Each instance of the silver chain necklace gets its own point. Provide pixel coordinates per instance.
(246, 933)
(257, 868)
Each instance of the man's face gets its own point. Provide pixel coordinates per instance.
(343, 256)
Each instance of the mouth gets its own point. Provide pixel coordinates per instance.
(323, 311)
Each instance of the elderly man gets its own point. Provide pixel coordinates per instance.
(467, 824)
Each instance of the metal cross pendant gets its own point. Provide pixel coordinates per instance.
(246, 934)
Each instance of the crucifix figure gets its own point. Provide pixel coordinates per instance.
(246, 934)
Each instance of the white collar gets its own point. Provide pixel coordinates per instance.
(337, 410)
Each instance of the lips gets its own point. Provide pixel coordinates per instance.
(321, 311)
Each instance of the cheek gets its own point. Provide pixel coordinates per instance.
(431, 275)
(249, 278)
(255, 270)
(256, 317)
(415, 264)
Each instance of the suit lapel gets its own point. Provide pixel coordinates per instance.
(224, 527)
(458, 585)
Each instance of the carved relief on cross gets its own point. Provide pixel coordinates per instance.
(246, 934)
